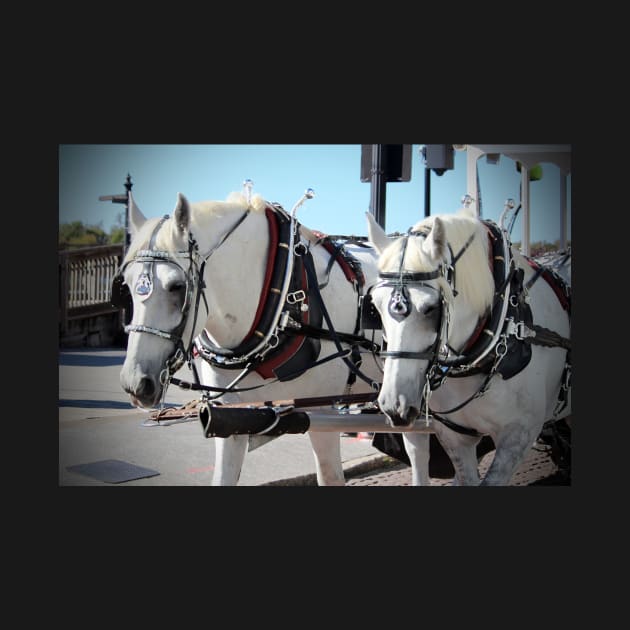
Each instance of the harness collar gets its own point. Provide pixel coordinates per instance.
(281, 315)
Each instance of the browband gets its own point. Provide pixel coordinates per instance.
(419, 276)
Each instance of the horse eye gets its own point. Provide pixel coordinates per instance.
(429, 310)
(176, 287)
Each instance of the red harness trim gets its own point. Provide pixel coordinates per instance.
(266, 368)
(476, 333)
(329, 246)
(562, 298)
(271, 259)
(481, 324)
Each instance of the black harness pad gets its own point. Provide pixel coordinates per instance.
(370, 317)
(519, 353)
(309, 350)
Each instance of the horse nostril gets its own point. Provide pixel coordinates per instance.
(395, 419)
(412, 414)
(146, 387)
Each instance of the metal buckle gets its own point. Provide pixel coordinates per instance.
(518, 329)
(522, 331)
(296, 296)
(284, 320)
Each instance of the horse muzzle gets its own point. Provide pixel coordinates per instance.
(399, 413)
(145, 393)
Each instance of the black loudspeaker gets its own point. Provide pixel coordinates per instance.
(439, 157)
(396, 162)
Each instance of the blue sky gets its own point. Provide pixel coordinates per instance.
(282, 173)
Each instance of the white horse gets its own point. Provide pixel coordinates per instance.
(226, 247)
(458, 346)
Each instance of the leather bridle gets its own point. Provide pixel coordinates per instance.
(194, 286)
(399, 305)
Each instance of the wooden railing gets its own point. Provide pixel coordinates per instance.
(85, 282)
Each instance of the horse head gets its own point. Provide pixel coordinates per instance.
(161, 272)
(416, 299)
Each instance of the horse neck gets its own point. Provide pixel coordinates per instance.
(465, 313)
(464, 320)
(234, 277)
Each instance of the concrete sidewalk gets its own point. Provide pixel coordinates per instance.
(98, 423)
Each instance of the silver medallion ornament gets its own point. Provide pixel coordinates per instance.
(144, 286)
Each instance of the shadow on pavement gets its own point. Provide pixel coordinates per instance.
(89, 360)
(108, 404)
(102, 404)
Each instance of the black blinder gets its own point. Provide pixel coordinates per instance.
(370, 317)
(120, 295)
(399, 306)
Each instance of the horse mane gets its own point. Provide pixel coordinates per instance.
(473, 277)
(202, 215)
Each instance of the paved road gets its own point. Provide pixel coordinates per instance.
(97, 423)
(536, 467)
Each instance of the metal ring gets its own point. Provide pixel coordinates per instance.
(503, 344)
(164, 377)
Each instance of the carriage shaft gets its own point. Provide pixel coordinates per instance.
(363, 423)
(220, 421)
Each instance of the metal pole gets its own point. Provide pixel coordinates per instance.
(472, 155)
(376, 422)
(219, 421)
(563, 210)
(525, 204)
(127, 239)
(378, 184)
(427, 192)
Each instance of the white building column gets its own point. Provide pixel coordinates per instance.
(525, 247)
(563, 210)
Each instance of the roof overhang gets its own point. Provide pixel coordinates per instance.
(531, 154)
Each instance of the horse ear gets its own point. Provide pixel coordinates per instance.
(181, 215)
(434, 245)
(376, 234)
(136, 218)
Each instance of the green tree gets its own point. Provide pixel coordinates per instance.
(76, 234)
(117, 235)
(70, 232)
